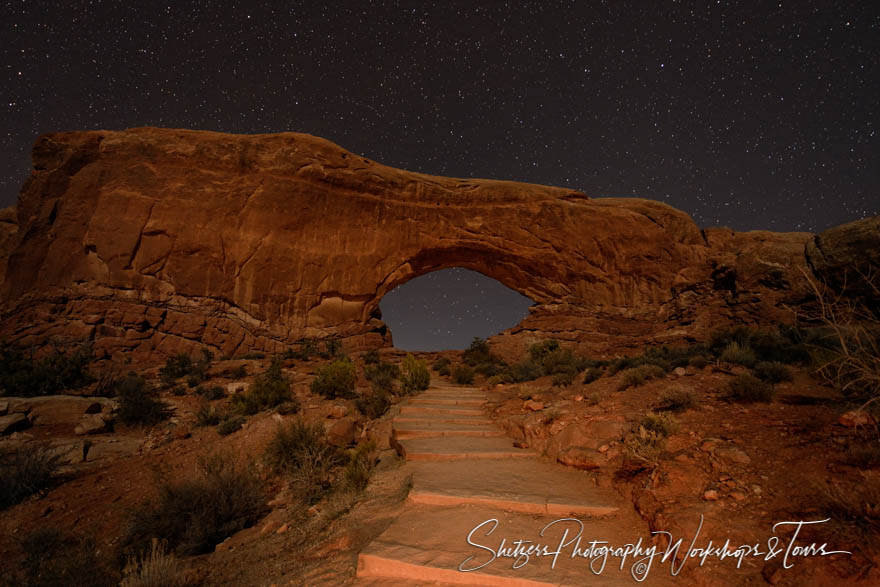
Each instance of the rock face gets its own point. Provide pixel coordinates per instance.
(155, 241)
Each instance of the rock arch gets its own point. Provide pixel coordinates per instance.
(152, 240)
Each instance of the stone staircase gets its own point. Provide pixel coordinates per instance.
(465, 472)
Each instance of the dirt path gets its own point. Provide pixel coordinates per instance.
(470, 484)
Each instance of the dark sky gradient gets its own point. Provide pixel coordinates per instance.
(753, 115)
(446, 309)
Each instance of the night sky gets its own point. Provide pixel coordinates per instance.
(753, 115)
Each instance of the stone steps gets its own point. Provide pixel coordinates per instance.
(435, 408)
(403, 430)
(458, 447)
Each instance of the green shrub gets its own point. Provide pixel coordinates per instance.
(563, 379)
(336, 379)
(444, 371)
(592, 374)
(441, 363)
(748, 389)
(301, 451)
(229, 424)
(478, 352)
(415, 375)
(662, 424)
(213, 392)
(182, 365)
(268, 390)
(371, 357)
(699, 361)
(361, 461)
(239, 372)
(375, 404)
(538, 351)
(23, 375)
(156, 567)
(499, 379)
(738, 354)
(208, 415)
(678, 399)
(138, 403)
(382, 374)
(331, 348)
(638, 375)
(289, 407)
(523, 371)
(54, 558)
(463, 375)
(772, 372)
(25, 470)
(194, 514)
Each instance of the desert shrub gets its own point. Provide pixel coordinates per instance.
(175, 367)
(289, 407)
(772, 372)
(156, 567)
(441, 363)
(305, 349)
(749, 389)
(637, 375)
(644, 445)
(371, 357)
(478, 352)
(25, 470)
(783, 345)
(331, 348)
(360, 464)
(738, 354)
(23, 375)
(499, 379)
(375, 404)
(229, 424)
(699, 361)
(414, 374)
(239, 372)
(523, 371)
(863, 457)
(194, 514)
(722, 338)
(335, 380)
(490, 369)
(182, 365)
(208, 415)
(677, 399)
(54, 558)
(383, 374)
(268, 390)
(463, 374)
(138, 403)
(857, 504)
(301, 450)
(662, 424)
(563, 379)
(592, 374)
(594, 398)
(560, 361)
(253, 355)
(211, 392)
(539, 350)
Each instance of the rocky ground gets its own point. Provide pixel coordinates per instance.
(742, 467)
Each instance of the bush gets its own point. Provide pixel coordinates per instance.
(563, 379)
(208, 415)
(230, 424)
(478, 352)
(699, 361)
(197, 513)
(749, 389)
(538, 351)
(382, 374)
(371, 357)
(335, 380)
(738, 354)
(523, 371)
(374, 405)
(360, 464)
(441, 363)
(53, 558)
(25, 470)
(662, 424)
(331, 348)
(22, 375)
(291, 406)
(463, 375)
(268, 390)
(415, 376)
(772, 372)
(301, 451)
(182, 365)
(154, 568)
(638, 375)
(592, 374)
(644, 445)
(490, 369)
(138, 403)
(213, 392)
(677, 399)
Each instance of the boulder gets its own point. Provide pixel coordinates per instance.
(93, 424)
(579, 457)
(856, 419)
(13, 422)
(342, 432)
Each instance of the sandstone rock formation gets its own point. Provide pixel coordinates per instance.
(155, 241)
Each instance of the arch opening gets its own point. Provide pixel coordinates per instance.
(447, 308)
